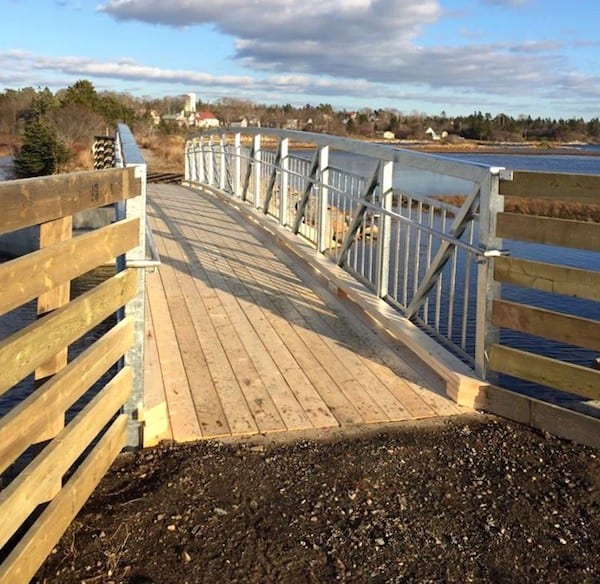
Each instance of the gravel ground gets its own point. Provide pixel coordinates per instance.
(465, 500)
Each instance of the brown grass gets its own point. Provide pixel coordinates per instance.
(540, 207)
(164, 153)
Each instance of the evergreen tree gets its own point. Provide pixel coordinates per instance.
(42, 152)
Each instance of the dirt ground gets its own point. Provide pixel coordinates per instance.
(464, 500)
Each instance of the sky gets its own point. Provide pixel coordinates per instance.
(518, 57)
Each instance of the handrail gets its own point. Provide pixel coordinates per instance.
(427, 258)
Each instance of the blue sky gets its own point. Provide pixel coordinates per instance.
(519, 57)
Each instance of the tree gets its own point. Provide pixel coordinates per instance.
(42, 152)
(81, 92)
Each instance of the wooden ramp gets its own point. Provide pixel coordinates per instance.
(241, 340)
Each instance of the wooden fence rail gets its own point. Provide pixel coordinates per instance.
(51, 454)
(549, 277)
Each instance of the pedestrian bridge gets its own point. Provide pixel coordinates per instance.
(274, 292)
(243, 338)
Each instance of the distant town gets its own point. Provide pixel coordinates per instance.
(68, 119)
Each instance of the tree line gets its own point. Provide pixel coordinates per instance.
(47, 131)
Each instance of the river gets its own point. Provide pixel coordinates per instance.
(429, 184)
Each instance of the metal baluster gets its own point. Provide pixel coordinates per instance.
(440, 281)
(406, 254)
(467, 285)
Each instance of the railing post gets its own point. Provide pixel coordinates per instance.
(191, 169)
(257, 170)
(284, 181)
(486, 334)
(186, 161)
(211, 162)
(199, 153)
(222, 169)
(130, 156)
(323, 224)
(237, 165)
(385, 229)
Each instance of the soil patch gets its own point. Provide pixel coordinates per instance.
(464, 500)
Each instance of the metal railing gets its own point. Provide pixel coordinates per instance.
(367, 207)
(144, 256)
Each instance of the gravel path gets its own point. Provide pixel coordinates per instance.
(466, 500)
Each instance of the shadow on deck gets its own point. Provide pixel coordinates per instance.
(243, 340)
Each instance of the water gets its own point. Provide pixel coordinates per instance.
(420, 183)
(429, 184)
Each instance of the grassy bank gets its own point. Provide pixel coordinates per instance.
(543, 208)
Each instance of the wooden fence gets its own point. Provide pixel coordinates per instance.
(51, 455)
(553, 278)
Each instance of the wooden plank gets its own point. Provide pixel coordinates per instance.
(567, 377)
(25, 350)
(184, 423)
(264, 273)
(312, 404)
(403, 388)
(42, 270)
(548, 277)
(582, 332)
(258, 379)
(320, 377)
(29, 554)
(50, 233)
(32, 201)
(216, 359)
(372, 387)
(26, 422)
(544, 416)
(549, 231)
(581, 188)
(157, 425)
(219, 400)
(30, 488)
(206, 401)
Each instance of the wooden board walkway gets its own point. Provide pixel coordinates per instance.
(241, 340)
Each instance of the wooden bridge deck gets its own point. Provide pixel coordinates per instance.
(241, 340)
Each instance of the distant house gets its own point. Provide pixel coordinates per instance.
(389, 135)
(178, 119)
(205, 120)
(434, 136)
(246, 122)
(240, 123)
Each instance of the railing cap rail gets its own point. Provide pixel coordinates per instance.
(468, 170)
(129, 149)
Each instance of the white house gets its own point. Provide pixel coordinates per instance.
(206, 120)
(434, 136)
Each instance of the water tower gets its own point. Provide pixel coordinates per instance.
(190, 105)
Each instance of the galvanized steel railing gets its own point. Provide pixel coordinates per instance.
(353, 202)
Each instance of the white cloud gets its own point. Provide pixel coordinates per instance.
(507, 2)
(371, 40)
